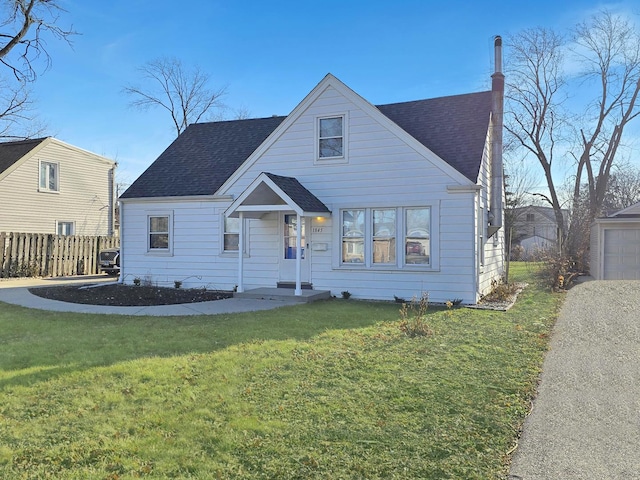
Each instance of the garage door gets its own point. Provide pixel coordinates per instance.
(622, 254)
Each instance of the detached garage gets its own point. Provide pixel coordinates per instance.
(615, 246)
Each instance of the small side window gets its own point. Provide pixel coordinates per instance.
(158, 232)
(65, 228)
(231, 234)
(49, 177)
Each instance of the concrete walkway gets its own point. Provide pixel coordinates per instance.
(16, 291)
(585, 422)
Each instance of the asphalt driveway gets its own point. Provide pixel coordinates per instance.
(585, 422)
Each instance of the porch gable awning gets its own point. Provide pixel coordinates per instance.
(272, 193)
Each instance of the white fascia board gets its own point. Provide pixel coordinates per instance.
(83, 151)
(262, 178)
(464, 188)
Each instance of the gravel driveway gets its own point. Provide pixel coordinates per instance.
(585, 423)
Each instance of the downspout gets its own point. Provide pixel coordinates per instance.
(497, 113)
(112, 201)
(240, 287)
(121, 278)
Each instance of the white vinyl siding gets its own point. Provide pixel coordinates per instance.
(84, 197)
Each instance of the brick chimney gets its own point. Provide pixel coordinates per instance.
(496, 213)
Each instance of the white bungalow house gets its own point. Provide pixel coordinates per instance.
(340, 195)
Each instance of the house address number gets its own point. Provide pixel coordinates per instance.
(317, 229)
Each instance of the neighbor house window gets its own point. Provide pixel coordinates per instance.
(417, 236)
(49, 173)
(231, 234)
(159, 232)
(65, 228)
(531, 217)
(331, 137)
(353, 236)
(384, 236)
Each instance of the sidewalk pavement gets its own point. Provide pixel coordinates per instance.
(16, 292)
(585, 422)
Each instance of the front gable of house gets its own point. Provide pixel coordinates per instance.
(334, 136)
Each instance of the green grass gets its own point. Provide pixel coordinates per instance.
(331, 390)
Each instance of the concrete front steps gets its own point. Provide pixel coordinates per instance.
(285, 293)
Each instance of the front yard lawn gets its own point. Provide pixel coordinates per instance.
(331, 390)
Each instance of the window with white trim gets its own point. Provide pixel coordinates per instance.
(353, 225)
(331, 137)
(65, 228)
(417, 236)
(231, 234)
(159, 229)
(386, 237)
(49, 177)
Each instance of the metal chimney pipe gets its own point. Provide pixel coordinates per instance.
(497, 113)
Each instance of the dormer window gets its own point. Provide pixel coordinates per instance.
(331, 137)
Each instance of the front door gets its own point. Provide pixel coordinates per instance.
(288, 250)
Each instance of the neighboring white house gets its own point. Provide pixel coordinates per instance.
(535, 229)
(48, 186)
(615, 246)
(339, 195)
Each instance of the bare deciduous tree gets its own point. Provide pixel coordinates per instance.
(184, 93)
(606, 49)
(24, 27)
(22, 34)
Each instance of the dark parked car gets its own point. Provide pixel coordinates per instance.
(110, 261)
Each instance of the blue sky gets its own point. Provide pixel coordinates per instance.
(270, 55)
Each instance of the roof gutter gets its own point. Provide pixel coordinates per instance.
(184, 198)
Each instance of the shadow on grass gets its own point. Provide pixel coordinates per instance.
(44, 345)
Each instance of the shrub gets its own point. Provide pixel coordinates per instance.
(413, 321)
(346, 294)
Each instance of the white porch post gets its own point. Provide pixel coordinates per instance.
(241, 253)
(298, 291)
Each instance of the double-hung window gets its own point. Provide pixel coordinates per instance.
(49, 173)
(231, 234)
(417, 236)
(384, 236)
(353, 227)
(331, 137)
(159, 233)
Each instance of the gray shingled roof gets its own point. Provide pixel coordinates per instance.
(205, 155)
(306, 200)
(454, 128)
(11, 152)
(202, 158)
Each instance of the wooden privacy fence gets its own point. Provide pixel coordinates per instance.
(47, 255)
